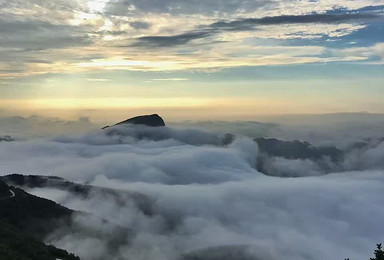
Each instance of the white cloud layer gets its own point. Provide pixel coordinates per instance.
(208, 195)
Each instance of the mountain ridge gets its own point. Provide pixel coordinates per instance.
(153, 120)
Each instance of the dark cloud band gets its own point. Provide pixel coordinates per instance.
(251, 24)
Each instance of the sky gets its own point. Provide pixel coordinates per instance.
(188, 59)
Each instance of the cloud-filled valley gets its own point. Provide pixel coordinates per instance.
(271, 146)
(206, 194)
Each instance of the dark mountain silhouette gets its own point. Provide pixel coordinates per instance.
(40, 218)
(291, 149)
(147, 120)
(32, 215)
(4, 190)
(146, 205)
(84, 191)
(15, 245)
(270, 146)
(24, 220)
(6, 138)
(296, 149)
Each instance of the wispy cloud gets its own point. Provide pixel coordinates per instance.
(171, 79)
(98, 80)
(170, 41)
(251, 23)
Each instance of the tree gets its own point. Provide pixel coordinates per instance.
(379, 253)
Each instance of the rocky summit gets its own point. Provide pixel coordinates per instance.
(148, 120)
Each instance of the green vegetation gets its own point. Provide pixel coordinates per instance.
(24, 219)
(379, 253)
(14, 245)
(4, 190)
(32, 215)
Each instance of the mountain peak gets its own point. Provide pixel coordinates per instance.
(153, 120)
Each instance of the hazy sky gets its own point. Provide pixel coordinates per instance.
(218, 59)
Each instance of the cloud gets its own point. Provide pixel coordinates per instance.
(98, 80)
(252, 24)
(39, 35)
(374, 53)
(169, 41)
(37, 126)
(201, 36)
(340, 129)
(207, 198)
(140, 25)
(283, 167)
(275, 217)
(170, 79)
(174, 7)
(29, 47)
(60, 10)
(371, 156)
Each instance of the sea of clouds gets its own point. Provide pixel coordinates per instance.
(207, 197)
